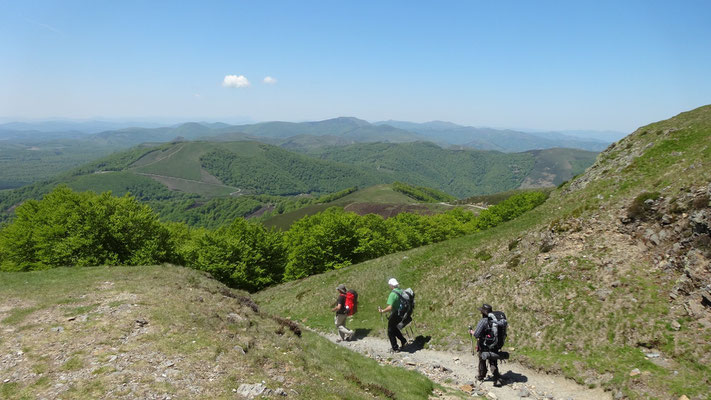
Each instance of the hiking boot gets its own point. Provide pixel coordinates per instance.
(395, 350)
(403, 343)
(339, 340)
(480, 378)
(497, 380)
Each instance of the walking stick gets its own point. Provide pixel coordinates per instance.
(382, 323)
(471, 338)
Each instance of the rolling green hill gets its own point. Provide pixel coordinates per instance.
(606, 282)
(463, 172)
(32, 156)
(180, 178)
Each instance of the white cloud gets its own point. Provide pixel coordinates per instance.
(235, 81)
(269, 80)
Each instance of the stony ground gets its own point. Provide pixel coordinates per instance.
(458, 370)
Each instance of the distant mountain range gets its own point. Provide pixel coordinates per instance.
(307, 135)
(506, 140)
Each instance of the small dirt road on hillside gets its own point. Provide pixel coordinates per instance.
(458, 370)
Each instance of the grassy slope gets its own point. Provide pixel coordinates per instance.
(182, 160)
(559, 321)
(186, 349)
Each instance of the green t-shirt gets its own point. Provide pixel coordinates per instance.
(394, 299)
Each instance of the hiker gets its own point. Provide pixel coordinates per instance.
(393, 304)
(342, 314)
(484, 349)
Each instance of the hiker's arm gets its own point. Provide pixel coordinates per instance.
(386, 309)
(479, 328)
(337, 307)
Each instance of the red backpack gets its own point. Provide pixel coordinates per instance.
(351, 302)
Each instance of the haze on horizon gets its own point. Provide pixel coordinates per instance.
(541, 66)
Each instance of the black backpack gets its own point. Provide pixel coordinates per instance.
(495, 334)
(407, 303)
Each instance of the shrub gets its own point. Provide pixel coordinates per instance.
(483, 255)
(332, 239)
(639, 209)
(66, 228)
(243, 255)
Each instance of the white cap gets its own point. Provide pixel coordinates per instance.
(393, 282)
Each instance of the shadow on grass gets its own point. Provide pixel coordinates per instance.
(416, 345)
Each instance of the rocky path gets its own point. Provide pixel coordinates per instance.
(459, 370)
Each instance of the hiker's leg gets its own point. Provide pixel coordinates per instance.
(392, 328)
(482, 368)
(343, 332)
(494, 369)
(399, 335)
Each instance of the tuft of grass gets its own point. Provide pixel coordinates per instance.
(18, 315)
(639, 209)
(73, 364)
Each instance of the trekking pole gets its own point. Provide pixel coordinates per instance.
(382, 323)
(471, 338)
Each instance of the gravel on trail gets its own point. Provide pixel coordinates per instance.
(459, 370)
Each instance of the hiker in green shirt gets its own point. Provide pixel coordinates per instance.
(394, 319)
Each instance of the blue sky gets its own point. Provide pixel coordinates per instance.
(528, 65)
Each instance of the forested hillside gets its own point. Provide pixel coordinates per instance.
(195, 182)
(462, 173)
(85, 229)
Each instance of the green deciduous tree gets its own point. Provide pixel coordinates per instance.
(66, 228)
(243, 255)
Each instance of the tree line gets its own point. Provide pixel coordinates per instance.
(68, 228)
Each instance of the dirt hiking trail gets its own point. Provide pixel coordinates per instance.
(459, 370)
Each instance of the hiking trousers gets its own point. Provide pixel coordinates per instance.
(494, 368)
(343, 332)
(394, 333)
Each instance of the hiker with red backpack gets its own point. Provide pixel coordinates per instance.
(346, 305)
(490, 332)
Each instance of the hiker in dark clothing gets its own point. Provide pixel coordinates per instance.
(479, 333)
(393, 304)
